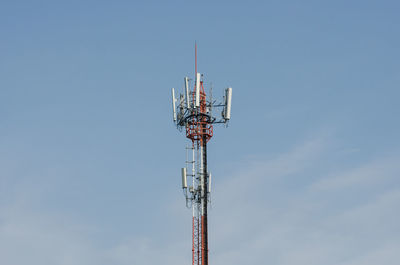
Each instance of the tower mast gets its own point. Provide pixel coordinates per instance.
(193, 113)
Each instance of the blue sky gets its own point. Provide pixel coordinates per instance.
(307, 172)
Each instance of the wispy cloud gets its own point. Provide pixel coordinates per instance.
(261, 214)
(376, 172)
(337, 218)
(28, 237)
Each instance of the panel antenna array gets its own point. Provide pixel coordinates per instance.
(193, 113)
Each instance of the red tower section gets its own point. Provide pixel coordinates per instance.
(198, 125)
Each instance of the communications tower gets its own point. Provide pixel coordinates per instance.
(194, 114)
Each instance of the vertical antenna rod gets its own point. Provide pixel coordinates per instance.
(195, 59)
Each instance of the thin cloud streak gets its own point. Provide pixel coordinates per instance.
(330, 221)
(258, 216)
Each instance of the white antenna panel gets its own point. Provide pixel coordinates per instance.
(228, 103)
(209, 183)
(187, 92)
(184, 179)
(197, 103)
(173, 104)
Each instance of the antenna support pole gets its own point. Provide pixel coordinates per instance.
(195, 59)
(205, 200)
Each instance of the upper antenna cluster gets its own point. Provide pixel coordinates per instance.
(194, 110)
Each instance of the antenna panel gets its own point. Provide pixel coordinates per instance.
(184, 179)
(228, 103)
(209, 182)
(173, 104)
(186, 79)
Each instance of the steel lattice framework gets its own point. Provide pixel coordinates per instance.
(195, 117)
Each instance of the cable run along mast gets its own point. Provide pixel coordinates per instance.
(193, 113)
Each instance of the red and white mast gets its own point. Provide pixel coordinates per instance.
(194, 114)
